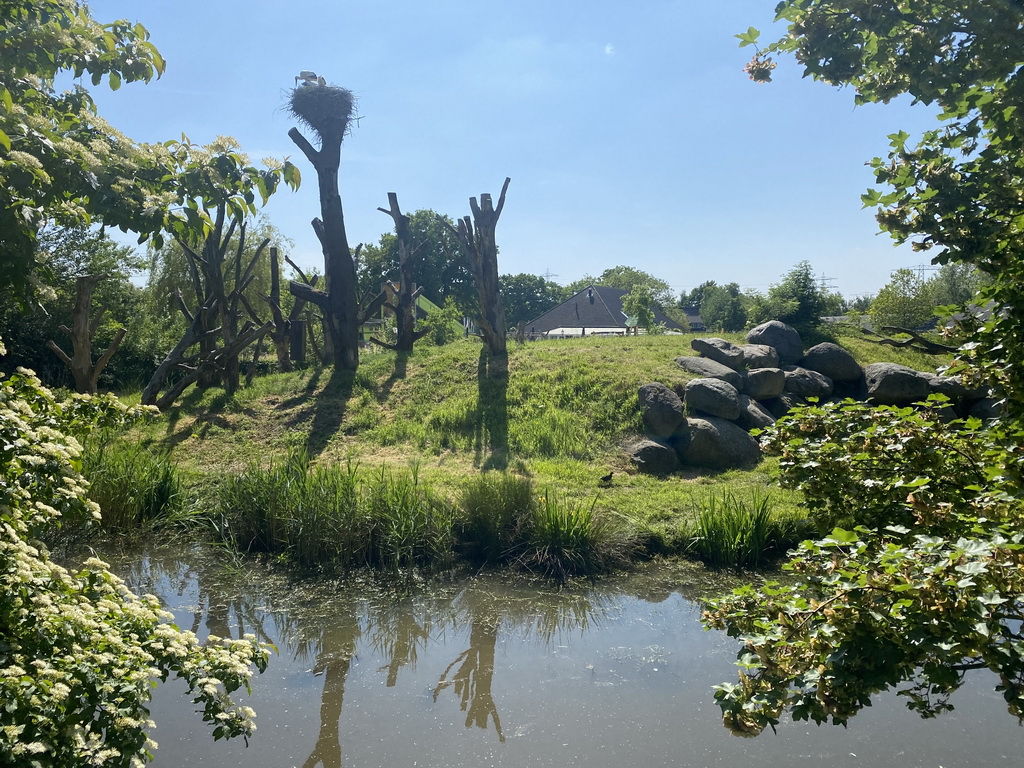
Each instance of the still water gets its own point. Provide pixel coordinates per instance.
(489, 671)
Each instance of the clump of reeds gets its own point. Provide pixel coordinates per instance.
(133, 486)
(334, 516)
(503, 521)
(496, 509)
(731, 531)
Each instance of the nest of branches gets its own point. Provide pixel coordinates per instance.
(324, 108)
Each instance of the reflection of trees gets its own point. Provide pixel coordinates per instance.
(336, 645)
(398, 634)
(472, 680)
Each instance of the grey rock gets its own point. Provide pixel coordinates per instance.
(661, 408)
(753, 415)
(949, 386)
(759, 356)
(719, 350)
(784, 338)
(717, 444)
(893, 384)
(806, 383)
(709, 369)
(833, 361)
(986, 408)
(653, 457)
(763, 383)
(713, 397)
(780, 406)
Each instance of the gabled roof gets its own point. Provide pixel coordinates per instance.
(596, 306)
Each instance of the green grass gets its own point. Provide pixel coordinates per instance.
(559, 420)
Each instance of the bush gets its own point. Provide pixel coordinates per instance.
(68, 635)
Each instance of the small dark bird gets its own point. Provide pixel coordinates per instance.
(606, 480)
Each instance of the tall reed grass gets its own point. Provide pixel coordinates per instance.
(133, 486)
(335, 516)
(503, 520)
(728, 530)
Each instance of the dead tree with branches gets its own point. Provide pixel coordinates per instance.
(82, 331)
(478, 244)
(403, 301)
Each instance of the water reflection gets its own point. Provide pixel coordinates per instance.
(485, 671)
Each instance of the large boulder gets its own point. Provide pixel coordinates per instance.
(806, 383)
(894, 384)
(719, 350)
(763, 383)
(759, 356)
(653, 457)
(753, 415)
(833, 361)
(716, 444)
(780, 406)
(714, 397)
(709, 369)
(661, 408)
(782, 337)
(949, 386)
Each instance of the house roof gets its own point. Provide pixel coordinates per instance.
(596, 306)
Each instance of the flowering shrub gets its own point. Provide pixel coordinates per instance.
(79, 653)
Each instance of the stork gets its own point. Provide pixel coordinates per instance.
(307, 76)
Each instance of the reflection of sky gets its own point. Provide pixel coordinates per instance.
(621, 680)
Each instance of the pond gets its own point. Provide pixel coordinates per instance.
(493, 671)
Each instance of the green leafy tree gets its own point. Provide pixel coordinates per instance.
(639, 303)
(528, 296)
(721, 307)
(903, 302)
(60, 162)
(440, 269)
(955, 284)
(928, 585)
(80, 653)
(67, 253)
(797, 299)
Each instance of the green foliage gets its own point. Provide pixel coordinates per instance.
(79, 652)
(797, 300)
(721, 307)
(59, 161)
(639, 303)
(903, 302)
(931, 585)
(445, 323)
(527, 297)
(495, 510)
(439, 270)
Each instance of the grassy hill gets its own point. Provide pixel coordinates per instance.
(561, 420)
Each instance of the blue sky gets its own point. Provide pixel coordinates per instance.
(629, 130)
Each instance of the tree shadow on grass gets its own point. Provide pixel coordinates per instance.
(329, 411)
(401, 367)
(492, 412)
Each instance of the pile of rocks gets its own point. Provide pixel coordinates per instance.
(706, 422)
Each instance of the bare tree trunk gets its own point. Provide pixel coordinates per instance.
(82, 331)
(403, 304)
(338, 301)
(479, 246)
(280, 334)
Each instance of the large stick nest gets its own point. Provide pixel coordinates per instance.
(324, 108)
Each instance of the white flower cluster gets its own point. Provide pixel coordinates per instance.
(80, 650)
